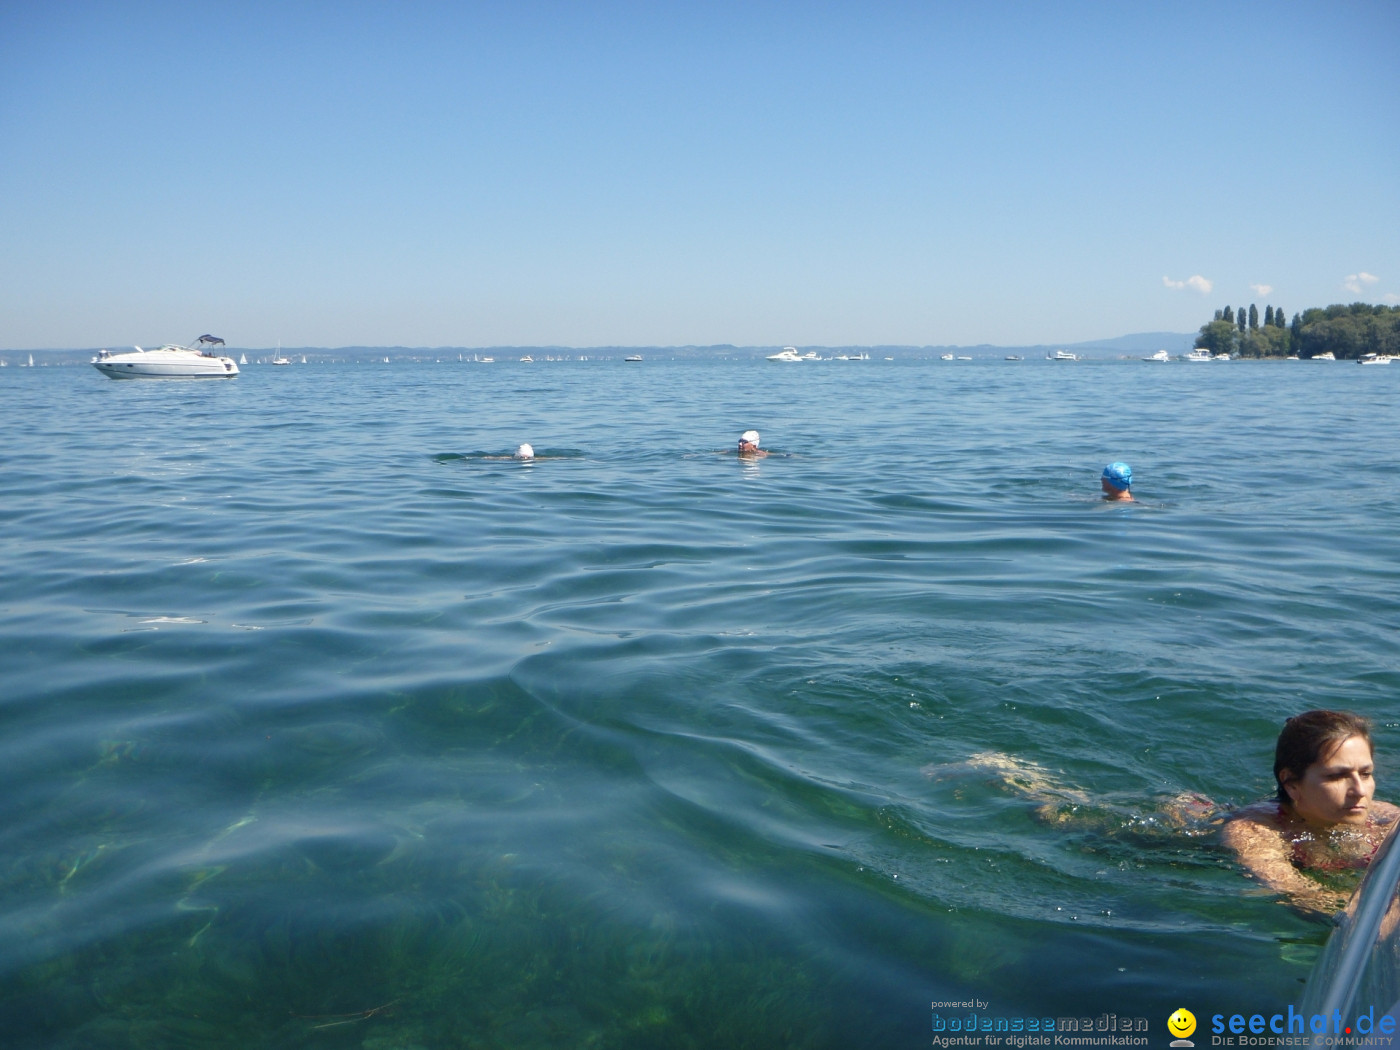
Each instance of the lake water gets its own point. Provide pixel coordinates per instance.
(319, 729)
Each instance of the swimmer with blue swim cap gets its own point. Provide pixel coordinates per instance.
(1117, 481)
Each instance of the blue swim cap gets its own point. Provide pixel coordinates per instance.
(1119, 475)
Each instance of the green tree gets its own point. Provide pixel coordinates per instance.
(1253, 318)
(1268, 317)
(1229, 315)
(1242, 319)
(1219, 337)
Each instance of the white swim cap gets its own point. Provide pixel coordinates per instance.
(525, 452)
(751, 436)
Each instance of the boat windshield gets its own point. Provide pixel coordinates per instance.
(1358, 974)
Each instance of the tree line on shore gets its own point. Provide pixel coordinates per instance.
(1347, 331)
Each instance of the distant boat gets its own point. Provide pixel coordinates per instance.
(279, 359)
(242, 359)
(1326, 356)
(527, 359)
(1062, 355)
(31, 360)
(1221, 357)
(303, 359)
(1160, 355)
(945, 357)
(810, 355)
(1200, 354)
(789, 354)
(484, 360)
(1014, 357)
(964, 357)
(633, 357)
(1373, 359)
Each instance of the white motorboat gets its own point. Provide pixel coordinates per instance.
(633, 358)
(170, 361)
(810, 355)
(945, 357)
(1221, 357)
(527, 360)
(1200, 354)
(1015, 357)
(1160, 355)
(1373, 359)
(964, 357)
(1325, 356)
(1062, 355)
(787, 353)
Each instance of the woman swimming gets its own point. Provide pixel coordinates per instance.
(1323, 817)
(1322, 820)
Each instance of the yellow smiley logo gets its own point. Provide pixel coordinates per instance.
(1182, 1023)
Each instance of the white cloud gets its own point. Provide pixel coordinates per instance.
(1262, 290)
(1356, 282)
(1197, 283)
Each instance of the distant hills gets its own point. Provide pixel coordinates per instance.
(1142, 342)
(1172, 342)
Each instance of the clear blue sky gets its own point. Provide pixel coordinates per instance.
(584, 173)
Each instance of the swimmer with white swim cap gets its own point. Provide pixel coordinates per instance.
(1117, 482)
(525, 451)
(748, 445)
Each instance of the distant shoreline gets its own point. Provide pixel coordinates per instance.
(1107, 349)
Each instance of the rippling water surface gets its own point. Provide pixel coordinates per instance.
(322, 729)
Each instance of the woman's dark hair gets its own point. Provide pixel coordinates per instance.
(1311, 737)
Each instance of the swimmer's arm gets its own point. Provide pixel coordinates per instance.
(1265, 855)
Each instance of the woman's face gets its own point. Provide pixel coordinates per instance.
(1337, 788)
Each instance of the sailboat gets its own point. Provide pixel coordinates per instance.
(242, 359)
(280, 359)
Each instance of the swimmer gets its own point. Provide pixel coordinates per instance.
(1323, 817)
(748, 445)
(524, 453)
(1322, 821)
(1117, 482)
